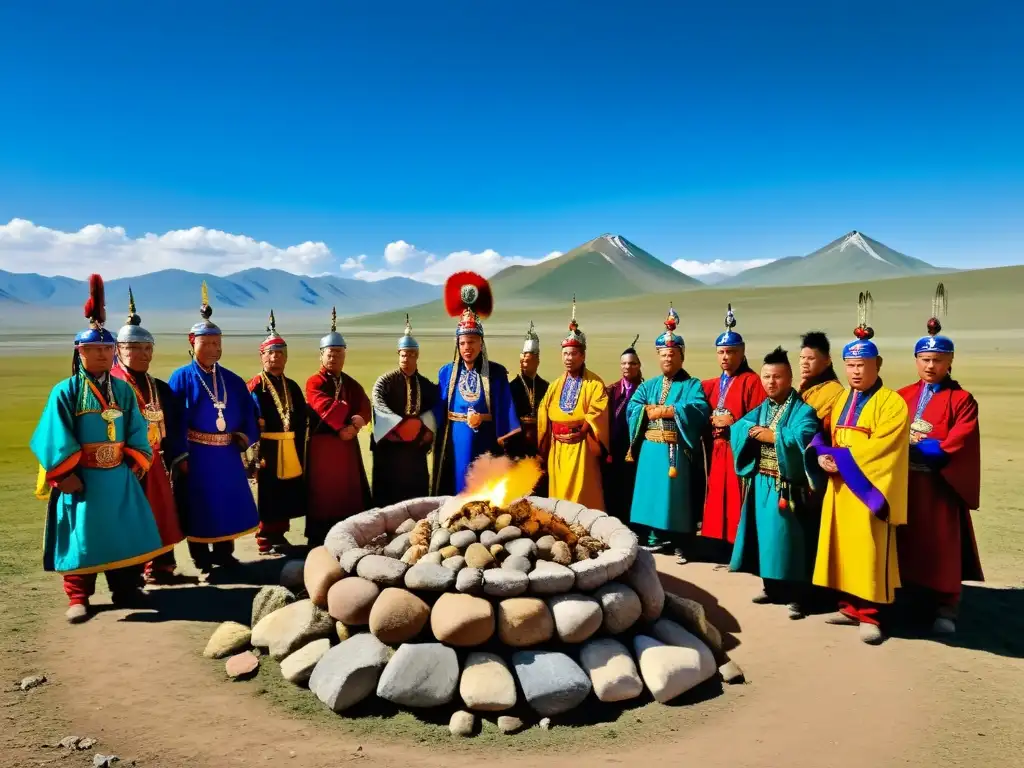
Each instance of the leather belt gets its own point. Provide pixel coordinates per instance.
(102, 455)
(210, 438)
(527, 419)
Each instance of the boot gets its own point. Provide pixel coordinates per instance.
(77, 613)
(871, 633)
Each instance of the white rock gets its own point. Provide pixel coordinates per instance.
(297, 667)
(669, 671)
(611, 669)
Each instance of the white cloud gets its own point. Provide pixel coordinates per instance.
(109, 251)
(717, 267)
(431, 268)
(400, 252)
(359, 262)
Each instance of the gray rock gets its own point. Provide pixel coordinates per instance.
(431, 558)
(268, 600)
(420, 675)
(552, 682)
(439, 540)
(456, 563)
(405, 527)
(397, 546)
(285, 631)
(642, 576)
(292, 575)
(508, 533)
(508, 724)
(462, 539)
(28, 683)
(549, 578)
(487, 538)
(469, 580)
(105, 761)
(349, 672)
(349, 560)
(621, 606)
(382, 571)
(517, 563)
(430, 578)
(545, 723)
(462, 723)
(499, 582)
(521, 547)
(544, 545)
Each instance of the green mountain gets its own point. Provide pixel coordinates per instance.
(854, 257)
(607, 267)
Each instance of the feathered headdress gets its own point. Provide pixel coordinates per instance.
(576, 337)
(729, 338)
(934, 342)
(95, 312)
(468, 297)
(862, 346)
(273, 340)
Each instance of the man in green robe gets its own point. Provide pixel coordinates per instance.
(778, 530)
(666, 415)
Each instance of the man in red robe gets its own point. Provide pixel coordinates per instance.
(732, 395)
(338, 409)
(937, 549)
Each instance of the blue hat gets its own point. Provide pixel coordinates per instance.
(204, 327)
(862, 348)
(96, 314)
(669, 339)
(934, 342)
(407, 341)
(729, 338)
(132, 331)
(333, 339)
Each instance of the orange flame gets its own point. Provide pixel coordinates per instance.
(499, 481)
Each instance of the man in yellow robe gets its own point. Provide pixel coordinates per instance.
(572, 426)
(867, 460)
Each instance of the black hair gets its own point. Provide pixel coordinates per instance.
(777, 356)
(816, 340)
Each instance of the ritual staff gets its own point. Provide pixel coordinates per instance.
(819, 385)
(338, 409)
(937, 548)
(778, 532)
(733, 394)
(403, 427)
(528, 389)
(666, 417)
(281, 488)
(166, 433)
(92, 443)
(867, 460)
(222, 421)
(572, 426)
(475, 413)
(619, 474)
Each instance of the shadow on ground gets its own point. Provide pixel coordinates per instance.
(716, 613)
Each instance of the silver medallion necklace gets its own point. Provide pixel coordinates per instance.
(219, 404)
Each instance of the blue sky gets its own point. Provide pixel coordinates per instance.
(747, 130)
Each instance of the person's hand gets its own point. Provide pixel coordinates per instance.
(828, 464)
(348, 433)
(915, 438)
(474, 420)
(70, 484)
(654, 412)
(358, 422)
(668, 412)
(723, 420)
(766, 435)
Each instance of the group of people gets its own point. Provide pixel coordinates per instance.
(825, 492)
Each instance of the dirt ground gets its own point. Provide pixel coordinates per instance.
(815, 695)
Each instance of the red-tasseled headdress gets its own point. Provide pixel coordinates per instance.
(468, 297)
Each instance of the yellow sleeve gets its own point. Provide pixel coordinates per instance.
(597, 410)
(543, 422)
(884, 458)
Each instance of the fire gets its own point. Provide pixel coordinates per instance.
(500, 481)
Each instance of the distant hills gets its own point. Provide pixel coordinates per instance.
(850, 258)
(251, 289)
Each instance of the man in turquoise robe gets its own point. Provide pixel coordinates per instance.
(778, 530)
(666, 415)
(92, 445)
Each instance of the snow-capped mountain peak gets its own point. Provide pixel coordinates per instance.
(856, 240)
(619, 243)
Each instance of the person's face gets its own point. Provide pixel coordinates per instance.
(528, 364)
(469, 348)
(572, 359)
(136, 355)
(274, 361)
(729, 358)
(671, 360)
(333, 359)
(777, 380)
(862, 374)
(96, 358)
(812, 363)
(933, 367)
(629, 367)
(407, 359)
(208, 350)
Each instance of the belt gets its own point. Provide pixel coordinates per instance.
(210, 438)
(463, 416)
(101, 455)
(277, 436)
(527, 419)
(565, 431)
(662, 436)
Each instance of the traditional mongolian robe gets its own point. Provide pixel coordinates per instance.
(937, 549)
(484, 390)
(778, 531)
(165, 430)
(867, 498)
(660, 501)
(281, 487)
(619, 474)
(738, 394)
(218, 501)
(527, 396)
(403, 427)
(573, 404)
(337, 482)
(93, 428)
(820, 393)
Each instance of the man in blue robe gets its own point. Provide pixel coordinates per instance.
(666, 416)
(777, 535)
(475, 413)
(92, 445)
(216, 503)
